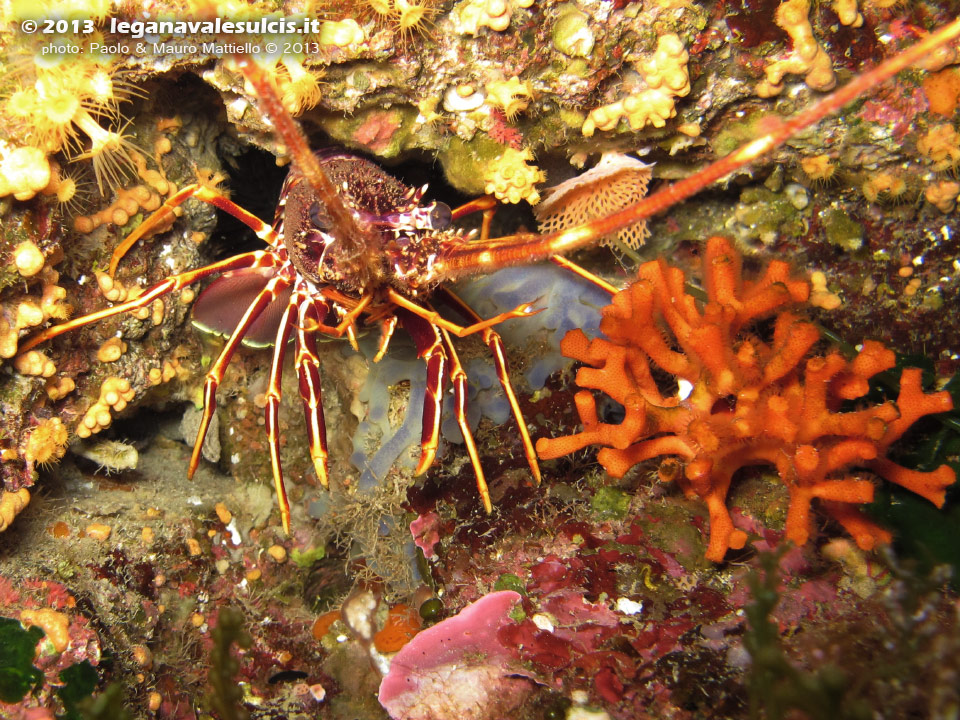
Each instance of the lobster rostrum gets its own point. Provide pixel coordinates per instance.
(352, 245)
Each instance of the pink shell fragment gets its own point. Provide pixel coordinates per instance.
(458, 668)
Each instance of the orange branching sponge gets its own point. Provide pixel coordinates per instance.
(750, 401)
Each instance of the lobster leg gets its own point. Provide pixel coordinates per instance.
(486, 204)
(387, 326)
(215, 374)
(583, 273)
(433, 317)
(165, 213)
(308, 374)
(459, 379)
(493, 341)
(429, 347)
(273, 408)
(255, 259)
(348, 323)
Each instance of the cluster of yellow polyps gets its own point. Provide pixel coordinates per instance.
(512, 96)
(942, 194)
(46, 443)
(941, 145)
(24, 171)
(807, 58)
(129, 202)
(511, 179)
(666, 77)
(470, 16)
(58, 106)
(115, 393)
(30, 310)
(751, 402)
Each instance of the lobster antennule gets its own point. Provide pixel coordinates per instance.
(525, 248)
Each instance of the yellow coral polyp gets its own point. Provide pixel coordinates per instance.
(511, 179)
(380, 8)
(667, 78)
(818, 168)
(11, 505)
(884, 183)
(24, 172)
(115, 393)
(35, 363)
(61, 108)
(110, 152)
(941, 144)
(47, 443)
(511, 96)
(99, 86)
(66, 190)
(413, 16)
(807, 57)
(52, 303)
(300, 88)
(28, 258)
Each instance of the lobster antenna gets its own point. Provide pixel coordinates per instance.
(525, 248)
(353, 239)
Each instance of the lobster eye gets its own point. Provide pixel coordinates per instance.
(440, 216)
(319, 218)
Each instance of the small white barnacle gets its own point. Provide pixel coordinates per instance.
(457, 99)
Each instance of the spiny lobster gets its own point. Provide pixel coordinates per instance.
(351, 242)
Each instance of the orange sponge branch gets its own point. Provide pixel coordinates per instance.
(752, 402)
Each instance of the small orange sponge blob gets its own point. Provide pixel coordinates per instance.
(403, 622)
(321, 626)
